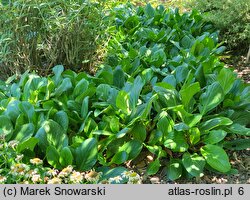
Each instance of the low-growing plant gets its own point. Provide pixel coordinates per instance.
(14, 169)
(162, 90)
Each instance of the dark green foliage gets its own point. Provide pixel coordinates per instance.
(162, 90)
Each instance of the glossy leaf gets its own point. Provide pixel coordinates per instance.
(211, 98)
(86, 154)
(216, 157)
(194, 164)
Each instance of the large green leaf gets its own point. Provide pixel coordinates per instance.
(80, 87)
(86, 154)
(24, 132)
(119, 77)
(239, 129)
(122, 101)
(135, 91)
(63, 87)
(58, 70)
(238, 144)
(226, 79)
(139, 132)
(12, 110)
(149, 11)
(194, 164)
(194, 135)
(153, 167)
(28, 109)
(211, 98)
(214, 136)
(66, 157)
(188, 92)
(62, 119)
(6, 127)
(56, 135)
(132, 148)
(174, 169)
(216, 157)
(215, 122)
(27, 144)
(53, 156)
(176, 141)
(120, 157)
(102, 92)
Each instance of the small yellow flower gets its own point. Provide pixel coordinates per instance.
(134, 176)
(2, 179)
(116, 179)
(36, 161)
(66, 171)
(55, 180)
(76, 177)
(30, 173)
(126, 174)
(93, 176)
(36, 178)
(19, 169)
(52, 172)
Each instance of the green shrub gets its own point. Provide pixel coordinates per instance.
(38, 34)
(232, 18)
(162, 90)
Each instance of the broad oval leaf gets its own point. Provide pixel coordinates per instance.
(120, 157)
(211, 98)
(174, 169)
(24, 132)
(52, 156)
(194, 164)
(176, 141)
(86, 154)
(226, 79)
(153, 167)
(139, 132)
(56, 136)
(214, 136)
(66, 157)
(133, 148)
(216, 157)
(215, 122)
(62, 119)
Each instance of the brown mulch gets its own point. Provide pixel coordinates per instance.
(239, 160)
(240, 67)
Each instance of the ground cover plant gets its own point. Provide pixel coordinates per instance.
(162, 89)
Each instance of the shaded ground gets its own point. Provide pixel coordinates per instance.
(240, 65)
(239, 160)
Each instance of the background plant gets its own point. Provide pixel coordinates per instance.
(40, 34)
(162, 90)
(232, 18)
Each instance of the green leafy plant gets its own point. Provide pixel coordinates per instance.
(162, 90)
